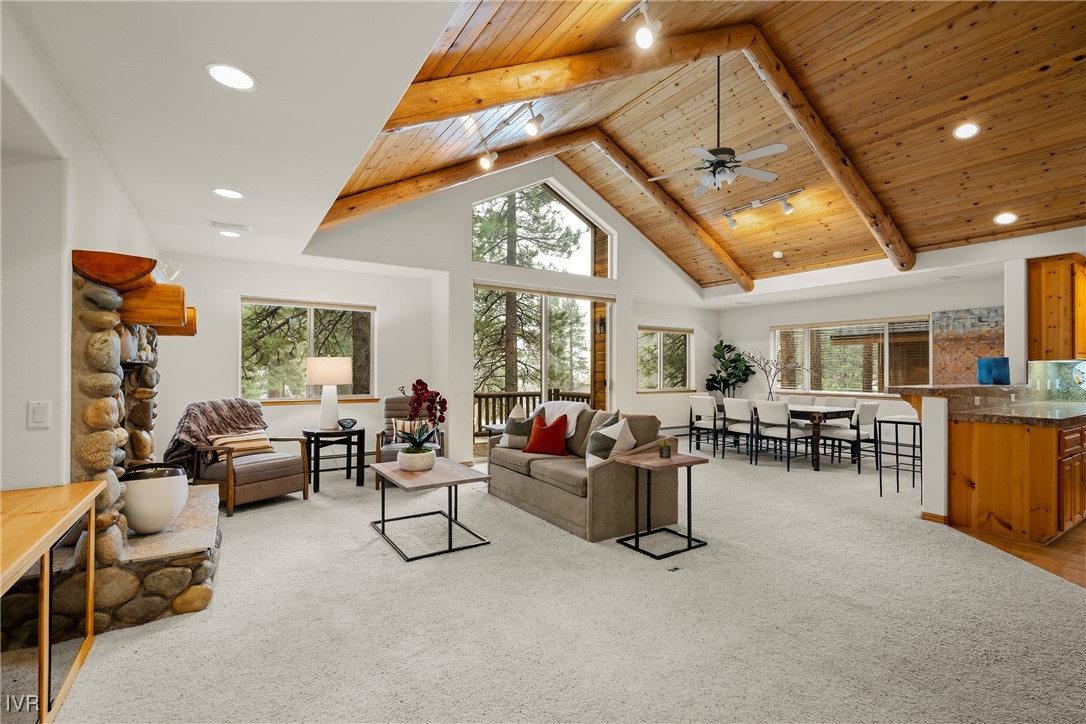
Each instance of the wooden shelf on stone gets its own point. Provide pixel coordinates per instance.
(188, 329)
(122, 272)
(159, 304)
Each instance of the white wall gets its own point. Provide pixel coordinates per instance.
(80, 206)
(435, 233)
(208, 366)
(748, 327)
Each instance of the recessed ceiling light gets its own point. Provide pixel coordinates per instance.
(231, 77)
(228, 193)
(229, 234)
(778, 255)
(966, 130)
(1005, 218)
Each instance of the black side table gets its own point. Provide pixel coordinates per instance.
(316, 438)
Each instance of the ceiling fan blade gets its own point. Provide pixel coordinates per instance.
(676, 173)
(755, 173)
(703, 154)
(763, 151)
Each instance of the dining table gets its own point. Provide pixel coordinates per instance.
(816, 415)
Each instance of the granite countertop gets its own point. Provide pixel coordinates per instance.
(943, 390)
(1046, 414)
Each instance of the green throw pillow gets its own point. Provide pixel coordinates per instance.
(516, 434)
(611, 438)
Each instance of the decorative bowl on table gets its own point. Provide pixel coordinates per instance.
(155, 494)
(347, 423)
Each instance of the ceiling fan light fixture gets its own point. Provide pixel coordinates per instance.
(1005, 218)
(786, 207)
(487, 160)
(732, 223)
(966, 130)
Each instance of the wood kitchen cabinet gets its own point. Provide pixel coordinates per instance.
(1072, 477)
(1057, 307)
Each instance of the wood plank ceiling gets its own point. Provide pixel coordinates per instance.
(890, 80)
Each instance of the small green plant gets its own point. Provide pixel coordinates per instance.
(665, 443)
(734, 369)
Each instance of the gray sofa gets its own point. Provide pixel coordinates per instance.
(594, 504)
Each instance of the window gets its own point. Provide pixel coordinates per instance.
(856, 356)
(538, 229)
(663, 359)
(277, 337)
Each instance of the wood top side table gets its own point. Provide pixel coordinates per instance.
(650, 461)
(31, 523)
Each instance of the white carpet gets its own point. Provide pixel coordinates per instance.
(815, 601)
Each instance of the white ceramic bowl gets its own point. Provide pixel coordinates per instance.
(153, 502)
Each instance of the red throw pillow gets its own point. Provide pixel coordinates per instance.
(547, 439)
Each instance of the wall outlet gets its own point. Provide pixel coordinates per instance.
(976, 401)
(1013, 396)
(37, 415)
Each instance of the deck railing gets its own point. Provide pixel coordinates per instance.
(492, 408)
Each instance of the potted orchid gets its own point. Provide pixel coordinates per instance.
(427, 411)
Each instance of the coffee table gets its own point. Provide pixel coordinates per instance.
(444, 474)
(650, 461)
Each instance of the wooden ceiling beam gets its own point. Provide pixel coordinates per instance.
(460, 95)
(373, 200)
(810, 125)
(662, 199)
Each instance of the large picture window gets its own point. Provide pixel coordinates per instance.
(663, 359)
(538, 229)
(855, 357)
(278, 336)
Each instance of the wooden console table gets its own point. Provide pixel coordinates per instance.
(31, 522)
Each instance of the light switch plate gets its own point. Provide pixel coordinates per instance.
(37, 415)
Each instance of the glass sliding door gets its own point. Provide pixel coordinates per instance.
(569, 345)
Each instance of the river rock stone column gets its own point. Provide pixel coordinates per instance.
(98, 408)
(140, 383)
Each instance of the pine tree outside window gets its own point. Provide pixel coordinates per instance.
(663, 359)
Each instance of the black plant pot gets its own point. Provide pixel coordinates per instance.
(665, 452)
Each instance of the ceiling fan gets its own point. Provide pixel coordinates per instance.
(722, 165)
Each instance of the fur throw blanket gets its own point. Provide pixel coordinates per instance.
(203, 419)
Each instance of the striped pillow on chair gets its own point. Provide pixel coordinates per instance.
(251, 442)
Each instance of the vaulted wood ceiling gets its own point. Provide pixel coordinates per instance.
(889, 80)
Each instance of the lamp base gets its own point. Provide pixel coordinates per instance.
(329, 408)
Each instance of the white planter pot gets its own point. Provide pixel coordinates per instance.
(415, 462)
(151, 504)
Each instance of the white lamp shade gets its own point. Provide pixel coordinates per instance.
(328, 371)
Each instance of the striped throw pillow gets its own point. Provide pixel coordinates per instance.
(244, 443)
(406, 426)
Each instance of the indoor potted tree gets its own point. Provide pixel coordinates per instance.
(734, 369)
(427, 410)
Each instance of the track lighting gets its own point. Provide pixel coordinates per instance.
(786, 207)
(487, 160)
(649, 28)
(535, 122)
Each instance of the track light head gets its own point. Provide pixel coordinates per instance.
(786, 207)
(646, 34)
(534, 125)
(732, 223)
(487, 160)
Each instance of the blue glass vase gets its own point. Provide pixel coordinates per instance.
(994, 370)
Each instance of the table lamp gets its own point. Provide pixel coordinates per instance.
(328, 372)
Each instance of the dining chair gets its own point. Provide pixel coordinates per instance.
(773, 423)
(862, 430)
(739, 422)
(800, 400)
(705, 420)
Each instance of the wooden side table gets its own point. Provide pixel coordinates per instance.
(31, 523)
(650, 461)
(316, 438)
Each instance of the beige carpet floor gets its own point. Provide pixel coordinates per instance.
(815, 601)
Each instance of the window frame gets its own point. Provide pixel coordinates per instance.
(596, 228)
(312, 306)
(885, 322)
(660, 332)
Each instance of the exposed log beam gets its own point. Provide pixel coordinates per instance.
(638, 175)
(810, 125)
(444, 98)
(409, 189)
(383, 197)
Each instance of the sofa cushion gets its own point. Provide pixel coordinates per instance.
(256, 468)
(549, 439)
(516, 460)
(577, 444)
(645, 428)
(567, 473)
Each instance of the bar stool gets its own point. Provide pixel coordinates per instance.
(908, 455)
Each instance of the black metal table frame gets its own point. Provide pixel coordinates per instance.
(452, 516)
(691, 541)
(326, 438)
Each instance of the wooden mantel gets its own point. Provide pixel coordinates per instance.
(145, 300)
